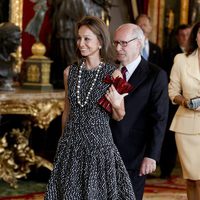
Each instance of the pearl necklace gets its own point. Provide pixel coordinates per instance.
(90, 89)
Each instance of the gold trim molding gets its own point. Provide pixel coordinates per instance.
(184, 11)
(15, 16)
(42, 106)
(156, 12)
(16, 12)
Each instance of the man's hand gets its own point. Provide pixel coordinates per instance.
(148, 166)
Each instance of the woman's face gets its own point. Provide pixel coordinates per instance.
(198, 38)
(88, 43)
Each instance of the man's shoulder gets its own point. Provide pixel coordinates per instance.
(151, 67)
(174, 51)
(154, 45)
(158, 75)
(155, 68)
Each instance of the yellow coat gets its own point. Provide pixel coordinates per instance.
(185, 80)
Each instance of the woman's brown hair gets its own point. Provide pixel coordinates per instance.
(192, 41)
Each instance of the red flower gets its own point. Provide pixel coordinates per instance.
(120, 85)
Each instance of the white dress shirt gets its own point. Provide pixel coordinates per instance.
(131, 67)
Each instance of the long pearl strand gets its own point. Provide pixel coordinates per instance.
(91, 88)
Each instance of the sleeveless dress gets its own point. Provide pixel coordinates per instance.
(87, 164)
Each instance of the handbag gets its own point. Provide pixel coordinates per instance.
(194, 103)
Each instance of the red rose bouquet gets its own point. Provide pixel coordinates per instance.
(120, 85)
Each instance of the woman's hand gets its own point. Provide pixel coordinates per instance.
(114, 97)
(117, 102)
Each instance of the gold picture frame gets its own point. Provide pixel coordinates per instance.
(16, 16)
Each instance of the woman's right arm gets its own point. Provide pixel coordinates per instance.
(65, 114)
(175, 86)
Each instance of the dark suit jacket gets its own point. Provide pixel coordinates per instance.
(141, 132)
(169, 55)
(155, 54)
(168, 58)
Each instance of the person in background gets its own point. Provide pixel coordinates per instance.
(169, 151)
(139, 135)
(88, 164)
(182, 34)
(183, 87)
(151, 51)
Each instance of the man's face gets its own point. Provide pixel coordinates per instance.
(127, 45)
(145, 24)
(182, 37)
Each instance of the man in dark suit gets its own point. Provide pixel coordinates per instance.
(139, 135)
(182, 34)
(169, 150)
(151, 51)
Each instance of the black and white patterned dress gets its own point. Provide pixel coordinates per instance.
(87, 164)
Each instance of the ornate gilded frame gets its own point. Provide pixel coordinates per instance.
(15, 16)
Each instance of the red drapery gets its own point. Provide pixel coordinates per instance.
(142, 6)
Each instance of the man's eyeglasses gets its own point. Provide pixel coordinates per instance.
(123, 43)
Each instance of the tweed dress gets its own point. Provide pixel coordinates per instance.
(87, 165)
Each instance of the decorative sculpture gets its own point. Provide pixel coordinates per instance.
(16, 157)
(9, 39)
(35, 24)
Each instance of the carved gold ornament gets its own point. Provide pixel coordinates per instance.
(17, 158)
(42, 106)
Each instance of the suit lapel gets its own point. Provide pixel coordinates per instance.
(152, 50)
(139, 75)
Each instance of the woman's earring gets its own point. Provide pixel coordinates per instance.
(99, 47)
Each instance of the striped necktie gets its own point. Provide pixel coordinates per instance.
(124, 70)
